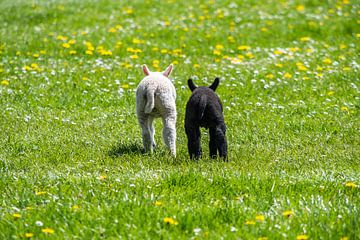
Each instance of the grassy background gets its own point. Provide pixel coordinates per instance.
(70, 146)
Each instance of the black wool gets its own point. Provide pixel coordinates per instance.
(204, 109)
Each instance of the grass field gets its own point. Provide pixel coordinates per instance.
(71, 165)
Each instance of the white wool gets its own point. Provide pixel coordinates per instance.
(155, 97)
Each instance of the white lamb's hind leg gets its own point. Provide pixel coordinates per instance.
(143, 121)
(169, 133)
(152, 131)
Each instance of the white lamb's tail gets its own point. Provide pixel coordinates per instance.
(150, 104)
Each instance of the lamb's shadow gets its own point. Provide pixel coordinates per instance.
(121, 148)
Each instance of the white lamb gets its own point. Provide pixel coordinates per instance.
(155, 97)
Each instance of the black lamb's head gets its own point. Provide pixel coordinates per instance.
(213, 86)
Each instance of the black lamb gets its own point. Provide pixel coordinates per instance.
(204, 109)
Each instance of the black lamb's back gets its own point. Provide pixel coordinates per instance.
(204, 108)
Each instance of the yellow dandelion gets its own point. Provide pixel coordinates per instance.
(260, 218)
(175, 62)
(196, 65)
(40, 193)
(75, 207)
(89, 52)
(137, 41)
(243, 47)
(264, 29)
(112, 30)
(170, 221)
(327, 61)
(342, 46)
(330, 93)
(216, 52)
(346, 69)
(249, 55)
(102, 177)
(36, 55)
(350, 184)
(72, 41)
(288, 213)
(5, 82)
(18, 53)
(278, 52)
(16, 215)
(305, 39)
(128, 11)
(43, 52)
(305, 78)
(118, 26)
(134, 56)
(48, 230)
(302, 68)
(300, 8)
(358, 35)
(250, 222)
(231, 39)
(262, 238)
(270, 76)
(302, 237)
(125, 86)
(280, 65)
(344, 238)
(85, 78)
(219, 47)
(29, 235)
(164, 51)
(158, 203)
(287, 75)
(66, 45)
(72, 52)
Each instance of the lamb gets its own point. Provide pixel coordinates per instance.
(204, 109)
(155, 97)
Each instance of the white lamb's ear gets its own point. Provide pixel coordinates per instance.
(146, 70)
(168, 70)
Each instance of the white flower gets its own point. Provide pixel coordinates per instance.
(39, 223)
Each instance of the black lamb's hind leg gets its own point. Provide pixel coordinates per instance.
(212, 143)
(221, 142)
(194, 147)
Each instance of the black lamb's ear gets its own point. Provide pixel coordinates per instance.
(191, 84)
(215, 84)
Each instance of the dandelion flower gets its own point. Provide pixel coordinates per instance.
(75, 207)
(134, 56)
(158, 203)
(89, 52)
(196, 65)
(327, 61)
(72, 52)
(270, 76)
(216, 52)
(262, 238)
(348, 184)
(16, 215)
(48, 230)
(288, 213)
(112, 30)
(287, 75)
(305, 39)
(243, 47)
(66, 45)
(102, 177)
(5, 82)
(29, 235)
(260, 218)
(250, 222)
(219, 47)
(300, 8)
(170, 221)
(40, 193)
(302, 237)
(278, 52)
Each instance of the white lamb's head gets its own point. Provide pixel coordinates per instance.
(165, 73)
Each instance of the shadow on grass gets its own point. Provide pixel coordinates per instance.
(125, 148)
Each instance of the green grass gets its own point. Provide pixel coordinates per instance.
(70, 144)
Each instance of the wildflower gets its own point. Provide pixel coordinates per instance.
(48, 230)
(243, 47)
(280, 65)
(358, 35)
(270, 76)
(278, 52)
(72, 52)
(175, 62)
(216, 52)
(75, 207)
(300, 8)
(36, 55)
(89, 52)
(219, 47)
(264, 29)
(66, 45)
(344, 238)
(40, 193)
(250, 222)
(262, 238)
(327, 61)
(5, 82)
(164, 51)
(342, 46)
(305, 39)
(157, 203)
(125, 86)
(302, 237)
(287, 75)
(288, 213)
(102, 177)
(16, 215)
(249, 55)
(231, 39)
(196, 65)
(170, 221)
(260, 218)
(330, 93)
(112, 30)
(29, 235)
(134, 56)
(72, 41)
(349, 184)
(39, 223)
(346, 69)
(137, 41)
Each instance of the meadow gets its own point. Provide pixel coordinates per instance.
(71, 160)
